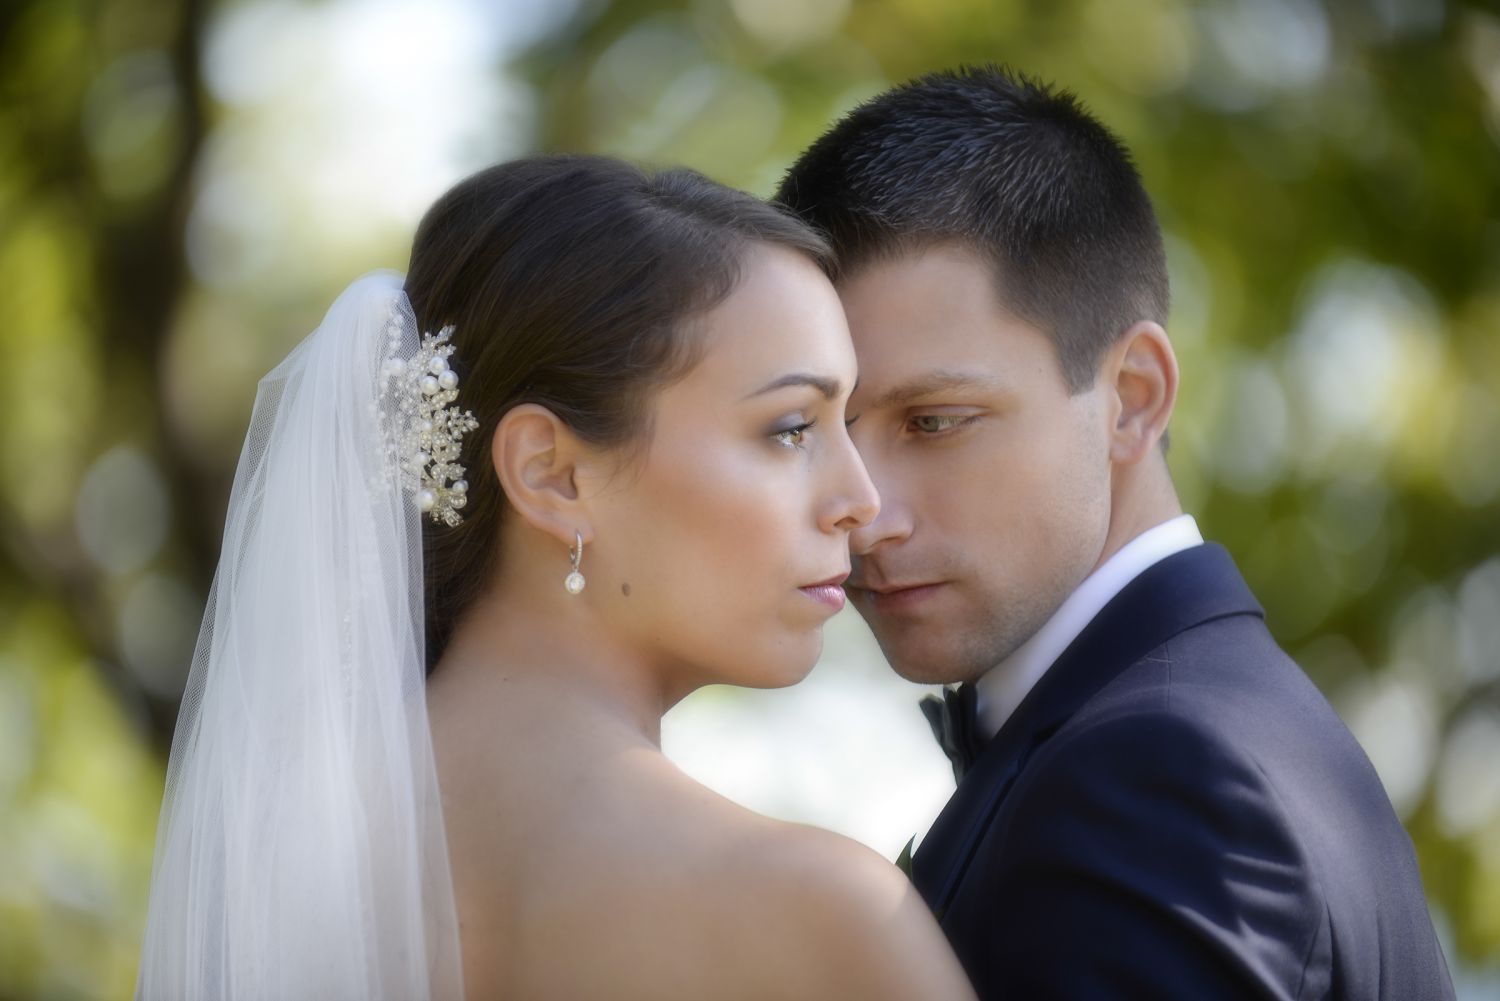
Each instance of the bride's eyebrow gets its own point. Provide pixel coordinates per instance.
(932, 383)
(824, 385)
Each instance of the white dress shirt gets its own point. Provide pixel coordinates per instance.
(1002, 687)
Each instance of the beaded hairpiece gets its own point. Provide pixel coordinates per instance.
(427, 429)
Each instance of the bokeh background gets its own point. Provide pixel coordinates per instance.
(184, 187)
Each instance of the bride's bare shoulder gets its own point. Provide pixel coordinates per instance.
(606, 871)
(796, 911)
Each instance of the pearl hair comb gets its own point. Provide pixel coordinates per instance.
(426, 430)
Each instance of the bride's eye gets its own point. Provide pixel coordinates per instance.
(937, 423)
(794, 436)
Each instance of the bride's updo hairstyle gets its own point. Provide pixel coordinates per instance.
(568, 280)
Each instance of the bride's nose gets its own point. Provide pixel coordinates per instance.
(852, 500)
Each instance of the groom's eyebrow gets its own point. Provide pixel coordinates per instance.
(828, 387)
(932, 383)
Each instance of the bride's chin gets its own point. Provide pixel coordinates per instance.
(791, 665)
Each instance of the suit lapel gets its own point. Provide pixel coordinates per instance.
(1184, 590)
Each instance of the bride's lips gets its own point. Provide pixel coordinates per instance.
(829, 592)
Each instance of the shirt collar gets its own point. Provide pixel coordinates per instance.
(1001, 689)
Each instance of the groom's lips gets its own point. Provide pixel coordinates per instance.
(895, 597)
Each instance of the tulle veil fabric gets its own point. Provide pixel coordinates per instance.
(300, 851)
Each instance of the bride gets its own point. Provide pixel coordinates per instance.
(492, 521)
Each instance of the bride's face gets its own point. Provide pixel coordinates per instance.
(710, 544)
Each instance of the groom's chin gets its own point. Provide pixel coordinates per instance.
(926, 673)
(920, 652)
(918, 659)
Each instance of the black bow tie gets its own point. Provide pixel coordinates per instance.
(955, 723)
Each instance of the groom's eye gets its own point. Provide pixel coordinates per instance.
(937, 423)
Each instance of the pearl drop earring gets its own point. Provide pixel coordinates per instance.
(574, 581)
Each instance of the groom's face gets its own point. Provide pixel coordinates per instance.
(994, 478)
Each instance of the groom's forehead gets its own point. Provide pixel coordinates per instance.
(928, 339)
(935, 286)
(1008, 365)
(928, 381)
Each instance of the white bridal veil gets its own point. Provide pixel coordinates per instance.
(300, 853)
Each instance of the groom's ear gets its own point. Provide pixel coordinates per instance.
(536, 458)
(1142, 371)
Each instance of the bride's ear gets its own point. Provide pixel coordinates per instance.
(1143, 370)
(536, 458)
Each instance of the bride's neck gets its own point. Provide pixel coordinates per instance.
(551, 653)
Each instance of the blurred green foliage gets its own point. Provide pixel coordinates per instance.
(1328, 175)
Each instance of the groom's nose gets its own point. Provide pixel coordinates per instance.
(890, 527)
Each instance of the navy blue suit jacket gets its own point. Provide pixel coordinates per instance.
(1175, 811)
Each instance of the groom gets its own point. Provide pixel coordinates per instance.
(1153, 801)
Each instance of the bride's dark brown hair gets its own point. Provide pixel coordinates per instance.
(568, 280)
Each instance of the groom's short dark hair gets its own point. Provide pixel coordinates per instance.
(1014, 169)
